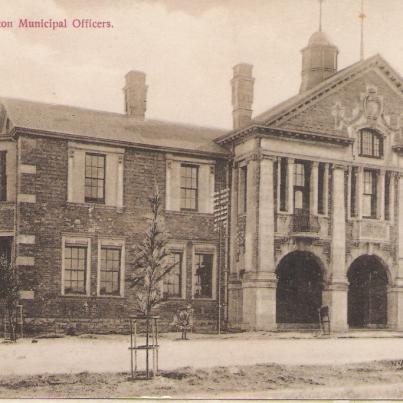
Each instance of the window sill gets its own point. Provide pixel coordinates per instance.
(7, 203)
(368, 219)
(109, 296)
(373, 157)
(76, 295)
(204, 299)
(98, 206)
(188, 212)
(173, 299)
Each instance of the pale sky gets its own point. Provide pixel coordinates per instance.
(187, 49)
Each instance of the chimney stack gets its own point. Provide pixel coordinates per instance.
(242, 95)
(135, 92)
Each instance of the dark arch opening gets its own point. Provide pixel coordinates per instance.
(299, 288)
(367, 293)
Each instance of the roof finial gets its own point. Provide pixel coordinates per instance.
(320, 15)
(362, 17)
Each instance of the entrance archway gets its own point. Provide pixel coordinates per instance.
(367, 293)
(299, 288)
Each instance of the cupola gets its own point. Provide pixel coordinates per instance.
(319, 61)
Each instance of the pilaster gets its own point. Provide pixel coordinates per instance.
(290, 185)
(266, 216)
(313, 192)
(381, 195)
(251, 217)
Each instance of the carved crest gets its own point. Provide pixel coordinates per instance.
(372, 104)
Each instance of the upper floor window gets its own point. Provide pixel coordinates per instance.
(301, 188)
(243, 178)
(282, 166)
(371, 144)
(321, 188)
(387, 195)
(94, 178)
(173, 280)
(3, 176)
(189, 187)
(353, 192)
(370, 194)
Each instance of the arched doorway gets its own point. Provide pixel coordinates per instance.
(299, 289)
(367, 293)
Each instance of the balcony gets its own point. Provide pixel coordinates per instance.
(304, 225)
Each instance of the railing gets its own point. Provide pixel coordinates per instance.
(305, 223)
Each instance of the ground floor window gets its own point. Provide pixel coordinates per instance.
(5, 248)
(203, 275)
(110, 270)
(173, 280)
(76, 258)
(75, 269)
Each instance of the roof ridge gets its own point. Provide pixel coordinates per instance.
(317, 87)
(117, 114)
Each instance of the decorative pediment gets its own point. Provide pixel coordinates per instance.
(369, 112)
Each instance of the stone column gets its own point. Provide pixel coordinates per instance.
(326, 189)
(313, 191)
(380, 203)
(278, 184)
(259, 286)
(392, 185)
(349, 181)
(290, 185)
(234, 283)
(251, 219)
(336, 294)
(398, 286)
(359, 191)
(266, 216)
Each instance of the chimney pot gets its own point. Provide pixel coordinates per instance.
(135, 92)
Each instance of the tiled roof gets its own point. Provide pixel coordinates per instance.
(113, 127)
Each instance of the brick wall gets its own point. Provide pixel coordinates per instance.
(51, 217)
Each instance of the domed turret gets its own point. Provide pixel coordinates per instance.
(319, 60)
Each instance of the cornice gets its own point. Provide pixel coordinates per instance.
(263, 131)
(67, 136)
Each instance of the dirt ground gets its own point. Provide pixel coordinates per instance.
(379, 380)
(110, 353)
(254, 365)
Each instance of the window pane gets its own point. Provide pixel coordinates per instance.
(203, 273)
(75, 269)
(366, 206)
(94, 177)
(189, 187)
(172, 283)
(371, 143)
(299, 175)
(110, 271)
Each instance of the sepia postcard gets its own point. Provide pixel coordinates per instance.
(201, 199)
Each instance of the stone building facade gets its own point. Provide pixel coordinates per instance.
(316, 188)
(314, 214)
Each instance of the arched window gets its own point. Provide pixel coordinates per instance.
(371, 143)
